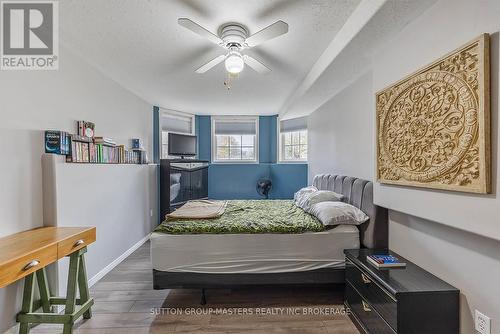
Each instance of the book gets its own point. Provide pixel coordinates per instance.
(137, 144)
(385, 261)
(85, 129)
(88, 129)
(104, 140)
(57, 142)
(79, 128)
(81, 138)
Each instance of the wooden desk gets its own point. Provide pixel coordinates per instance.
(26, 254)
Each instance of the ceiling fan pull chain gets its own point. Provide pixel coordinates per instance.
(227, 82)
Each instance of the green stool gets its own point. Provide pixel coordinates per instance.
(77, 276)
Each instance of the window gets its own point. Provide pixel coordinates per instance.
(164, 144)
(234, 139)
(294, 145)
(293, 140)
(176, 122)
(235, 147)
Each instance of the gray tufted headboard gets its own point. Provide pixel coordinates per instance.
(358, 192)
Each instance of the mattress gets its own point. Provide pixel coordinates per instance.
(252, 253)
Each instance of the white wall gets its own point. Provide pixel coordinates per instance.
(32, 101)
(113, 198)
(339, 131)
(424, 40)
(455, 253)
(467, 261)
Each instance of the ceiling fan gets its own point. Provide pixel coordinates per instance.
(235, 37)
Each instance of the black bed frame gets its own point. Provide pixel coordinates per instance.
(181, 280)
(373, 234)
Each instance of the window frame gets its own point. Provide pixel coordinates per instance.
(178, 115)
(232, 119)
(281, 146)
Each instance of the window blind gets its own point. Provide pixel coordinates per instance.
(293, 124)
(179, 124)
(235, 127)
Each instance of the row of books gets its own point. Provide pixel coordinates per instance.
(83, 148)
(90, 152)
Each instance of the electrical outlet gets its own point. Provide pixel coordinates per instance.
(151, 213)
(482, 323)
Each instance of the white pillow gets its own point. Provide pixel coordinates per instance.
(324, 196)
(301, 196)
(338, 213)
(319, 196)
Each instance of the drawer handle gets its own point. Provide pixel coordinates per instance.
(366, 307)
(365, 279)
(78, 243)
(30, 265)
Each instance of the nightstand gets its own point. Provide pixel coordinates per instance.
(406, 300)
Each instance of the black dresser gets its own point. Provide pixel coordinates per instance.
(406, 300)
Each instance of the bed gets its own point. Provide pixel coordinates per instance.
(222, 255)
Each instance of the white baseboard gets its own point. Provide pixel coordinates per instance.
(13, 330)
(117, 261)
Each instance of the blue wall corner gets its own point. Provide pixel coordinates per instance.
(267, 139)
(203, 130)
(273, 152)
(238, 181)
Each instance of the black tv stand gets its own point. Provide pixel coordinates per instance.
(181, 180)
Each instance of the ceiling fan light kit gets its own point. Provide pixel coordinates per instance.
(235, 37)
(234, 62)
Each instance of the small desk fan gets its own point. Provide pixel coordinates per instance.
(264, 187)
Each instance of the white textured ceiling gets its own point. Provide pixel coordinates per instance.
(139, 45)
(355, 59)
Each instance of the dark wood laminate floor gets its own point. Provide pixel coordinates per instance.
(125, 302)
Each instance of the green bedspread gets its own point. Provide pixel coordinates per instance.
(248, 216)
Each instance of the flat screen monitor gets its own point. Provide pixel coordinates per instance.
(181, 145)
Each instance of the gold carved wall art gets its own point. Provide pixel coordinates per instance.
(433, 127)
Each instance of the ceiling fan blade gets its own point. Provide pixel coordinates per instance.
(211, 64)
(274, 30)
(256, 65)
(197, 29)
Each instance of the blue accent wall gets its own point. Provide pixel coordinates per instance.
(203, 128)
(287, 179)
(267, 139)
(237, 181)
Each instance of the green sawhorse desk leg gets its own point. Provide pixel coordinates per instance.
(77, 279)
